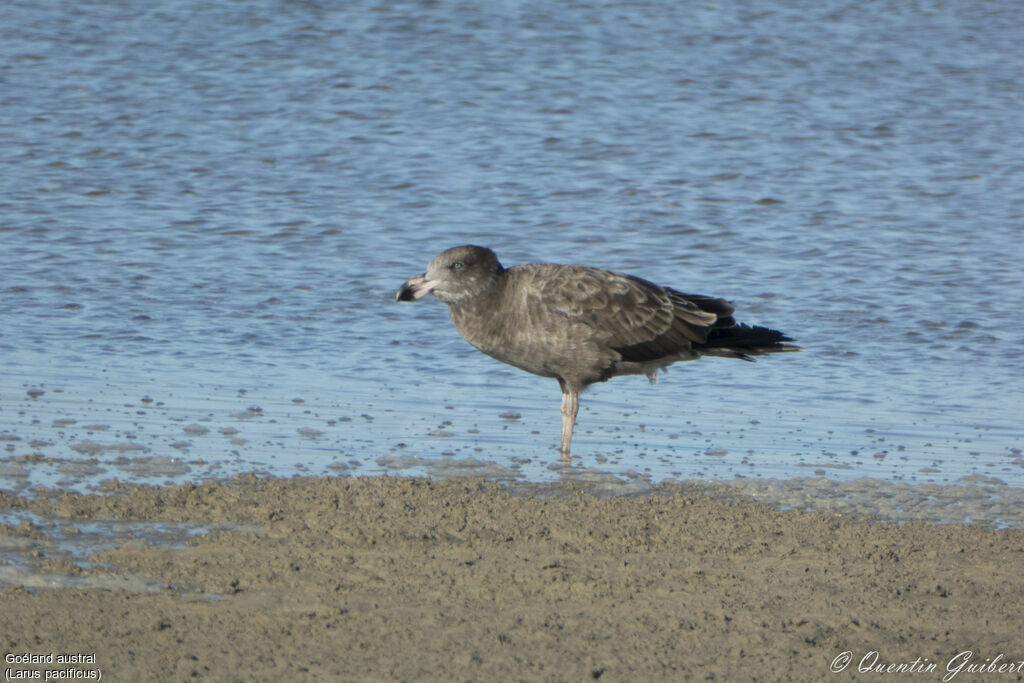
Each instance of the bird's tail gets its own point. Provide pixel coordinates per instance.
(743, 341)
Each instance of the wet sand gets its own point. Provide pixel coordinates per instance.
(411, 579)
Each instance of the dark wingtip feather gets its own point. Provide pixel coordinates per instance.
(743, 341)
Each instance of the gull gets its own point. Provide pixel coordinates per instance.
(581, 325)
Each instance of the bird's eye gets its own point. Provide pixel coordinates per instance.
(458, 265)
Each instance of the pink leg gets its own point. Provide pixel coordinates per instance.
(570, 406)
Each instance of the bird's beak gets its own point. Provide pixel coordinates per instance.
(415, 288)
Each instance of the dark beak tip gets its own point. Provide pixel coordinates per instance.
(404, 294)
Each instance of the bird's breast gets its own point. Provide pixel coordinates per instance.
(488, 328)
(500, 332)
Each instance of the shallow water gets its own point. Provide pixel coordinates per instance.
(205, 211)
(39, 552)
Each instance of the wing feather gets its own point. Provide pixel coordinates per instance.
(638, 319)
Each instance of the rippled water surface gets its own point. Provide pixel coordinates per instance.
(206, 208)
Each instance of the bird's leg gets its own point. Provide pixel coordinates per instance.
(570, 406)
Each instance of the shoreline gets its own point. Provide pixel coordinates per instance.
(405, 578)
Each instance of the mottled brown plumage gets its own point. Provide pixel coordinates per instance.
(581, 325)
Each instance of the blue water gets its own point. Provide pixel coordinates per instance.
(206, 208)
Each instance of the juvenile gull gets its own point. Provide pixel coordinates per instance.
(581, 325)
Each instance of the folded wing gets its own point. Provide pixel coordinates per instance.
(638, 319)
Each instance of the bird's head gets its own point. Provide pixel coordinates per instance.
(454, 275)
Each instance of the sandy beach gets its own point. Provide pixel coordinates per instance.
(411, 579)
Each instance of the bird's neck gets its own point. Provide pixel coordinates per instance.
(479, 318)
